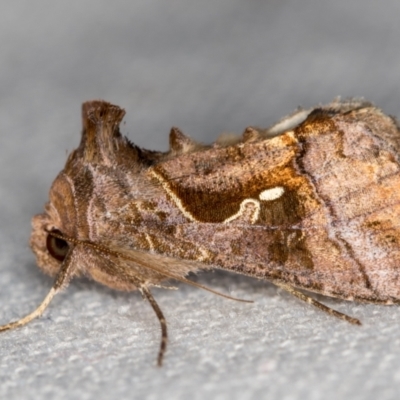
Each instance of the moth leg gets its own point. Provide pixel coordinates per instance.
(164, 336)
(316, 303)
(61, 281)
(28, 318)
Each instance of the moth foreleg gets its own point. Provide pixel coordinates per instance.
(316, 303)
(62, 280)
(28, 318)
(164, 335)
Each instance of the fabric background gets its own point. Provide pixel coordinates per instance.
(207, 67)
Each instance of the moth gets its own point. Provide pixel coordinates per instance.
(312, 203)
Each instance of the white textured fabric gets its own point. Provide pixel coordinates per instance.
(206, 67)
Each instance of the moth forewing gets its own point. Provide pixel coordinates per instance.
(310, 203)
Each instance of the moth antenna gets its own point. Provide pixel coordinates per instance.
(198, 285)
(164, 334)
(140, 261)
(61, 281)
(317, 304)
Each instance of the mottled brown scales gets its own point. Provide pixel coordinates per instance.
(310, 203)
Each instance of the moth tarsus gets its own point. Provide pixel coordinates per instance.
(310, 203)
(35, 314)
(317, 304)
(163, 323)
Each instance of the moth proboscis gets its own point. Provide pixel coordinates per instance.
(311, 203)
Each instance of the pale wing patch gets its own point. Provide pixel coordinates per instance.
(150, 242)
(272, 194)
(205, 254)
(249, 211)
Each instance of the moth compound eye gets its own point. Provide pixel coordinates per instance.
(58, 248)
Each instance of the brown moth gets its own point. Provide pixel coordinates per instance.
(311, 203)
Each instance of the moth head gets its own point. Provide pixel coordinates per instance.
(95, 177)
(72, 189)
(59, 217)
